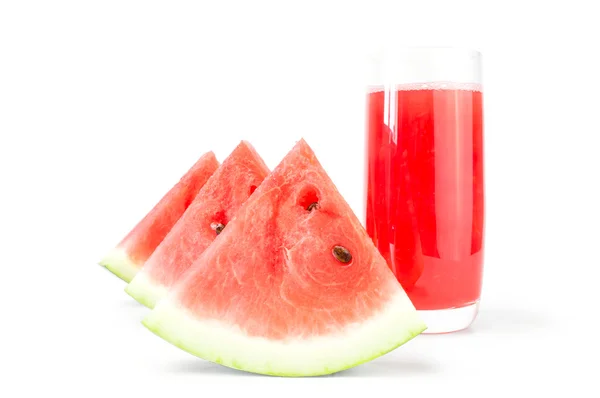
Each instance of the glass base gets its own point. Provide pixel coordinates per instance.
(449, 320)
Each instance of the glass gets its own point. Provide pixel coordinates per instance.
(425, 181)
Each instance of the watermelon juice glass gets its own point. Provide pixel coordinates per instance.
(424, 178)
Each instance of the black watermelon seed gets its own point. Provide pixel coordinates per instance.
(219, 228)
(342, 254)
(313, 206)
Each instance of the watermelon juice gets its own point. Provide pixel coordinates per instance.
(425, 191)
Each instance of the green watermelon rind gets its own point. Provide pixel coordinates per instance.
(227, 345)
(118, 262)
(145, 291)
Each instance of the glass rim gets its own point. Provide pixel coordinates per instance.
(432, 49)
(423, 64)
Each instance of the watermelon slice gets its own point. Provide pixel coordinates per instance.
(293, 286)
(131, 253)
(216, 204)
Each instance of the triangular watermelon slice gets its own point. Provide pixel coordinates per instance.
(131, 253)
(293, 286)
(208, 215)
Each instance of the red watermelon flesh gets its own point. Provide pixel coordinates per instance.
(275, 294)
(212, 209)
(131, 253)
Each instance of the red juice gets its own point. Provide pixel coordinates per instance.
(425, 190)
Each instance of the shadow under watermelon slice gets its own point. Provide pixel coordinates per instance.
(289, 288)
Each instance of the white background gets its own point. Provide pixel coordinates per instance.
(104, 104)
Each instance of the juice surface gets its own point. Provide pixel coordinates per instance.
(425, 191)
